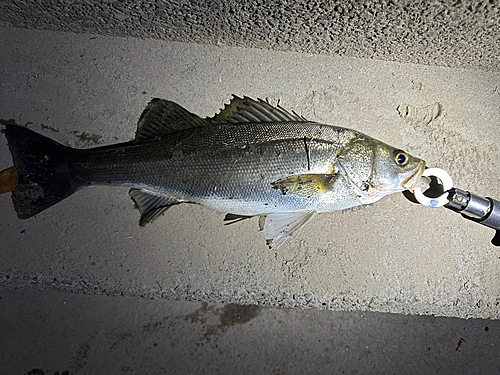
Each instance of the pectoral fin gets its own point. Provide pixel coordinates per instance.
(280, 227)
(150, 205)
(306, 185)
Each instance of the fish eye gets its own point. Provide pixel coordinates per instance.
(400, 157)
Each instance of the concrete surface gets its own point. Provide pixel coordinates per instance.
(441, 32)
(392, 256)
(49, 333)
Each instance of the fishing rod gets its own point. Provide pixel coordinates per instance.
(482, 210)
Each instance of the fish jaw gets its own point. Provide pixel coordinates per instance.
(414, 178)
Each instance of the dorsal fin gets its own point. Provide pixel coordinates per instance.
(162, 117)
(245, 109)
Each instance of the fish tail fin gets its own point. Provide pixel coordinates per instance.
(42, 166)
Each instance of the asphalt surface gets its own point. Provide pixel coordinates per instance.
(460, 34)
(51, 332)
(390, 257)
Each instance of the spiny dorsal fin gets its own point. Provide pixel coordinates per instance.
(245, 109)
(162, 117)
(150, 205)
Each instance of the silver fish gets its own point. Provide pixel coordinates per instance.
(250, 159)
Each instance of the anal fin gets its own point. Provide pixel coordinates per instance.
(150, 204)
(280, 227)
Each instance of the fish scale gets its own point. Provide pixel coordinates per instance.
(222, 162)
(285, 170)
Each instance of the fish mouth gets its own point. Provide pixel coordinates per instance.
(415, 178)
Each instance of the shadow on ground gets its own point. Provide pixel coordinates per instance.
(62, 333)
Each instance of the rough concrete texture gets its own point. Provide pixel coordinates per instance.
(74, 334)
(392, 256)
(447, 33)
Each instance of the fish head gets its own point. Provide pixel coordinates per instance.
(375, 169)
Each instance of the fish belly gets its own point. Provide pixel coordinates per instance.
(269, 201)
